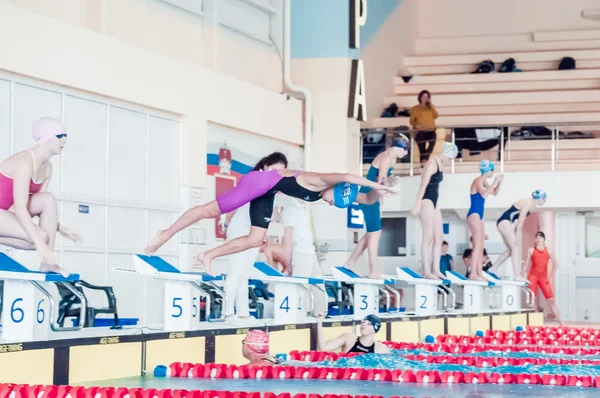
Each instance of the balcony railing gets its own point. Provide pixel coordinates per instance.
(558, 147)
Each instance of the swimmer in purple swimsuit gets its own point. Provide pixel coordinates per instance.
(259, 188)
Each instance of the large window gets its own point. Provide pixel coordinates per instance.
(592, 237)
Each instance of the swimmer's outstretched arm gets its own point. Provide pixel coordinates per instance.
(331, 345)
(331, 179)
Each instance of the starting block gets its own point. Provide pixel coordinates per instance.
(426, 291)
(183, 292)
(289, 293)
(473, 293)
(365, 291)
(27, 307)
(511, 293)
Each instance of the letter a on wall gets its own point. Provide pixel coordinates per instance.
(357, 106)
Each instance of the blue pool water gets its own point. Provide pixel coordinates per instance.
(385, 389)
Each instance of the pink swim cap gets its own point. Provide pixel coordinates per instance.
(46, 128)
(257, 341)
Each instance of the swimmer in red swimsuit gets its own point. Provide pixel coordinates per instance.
(537, 264)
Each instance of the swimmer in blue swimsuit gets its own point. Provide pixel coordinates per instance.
(382, 167)
(429, 213)
(512, 235)
(479, 192)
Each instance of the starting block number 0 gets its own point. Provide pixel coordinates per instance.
(510, 300)
(17, 314)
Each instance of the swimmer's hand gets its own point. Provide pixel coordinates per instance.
(70, 234)
(416, 210)
(391, 181)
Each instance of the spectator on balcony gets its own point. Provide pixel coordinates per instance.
(422, 119)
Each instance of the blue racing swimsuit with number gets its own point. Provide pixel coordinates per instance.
(372, 213)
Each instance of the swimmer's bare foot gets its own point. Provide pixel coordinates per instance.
(439, 275)
(429, 275)
(475, 277)
(375, 275)
(54, 268)
(205, 261)
(159, 239)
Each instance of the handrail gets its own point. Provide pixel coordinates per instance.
(370, 130)
(504, 140)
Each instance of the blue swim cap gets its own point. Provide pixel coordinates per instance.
(539, 194)
(429, 339)
(486, 166)
(401, 141)
(344, 194)
(375, 321)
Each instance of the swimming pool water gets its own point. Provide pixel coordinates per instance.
(385, 389)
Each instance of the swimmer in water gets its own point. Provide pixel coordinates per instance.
(513, 235)
(24, 180)
(538, 274)
(259, 188)
(479, 192)
(255, 348)
(382, 167)
(349, 342)
(430, 215)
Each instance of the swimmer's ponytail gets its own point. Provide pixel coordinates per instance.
(274, 158)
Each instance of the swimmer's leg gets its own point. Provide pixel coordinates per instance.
(508, 235)
(438, 240)
(357, 252)
(373, 251)
(13, 234)
(193, 215)
(254, 239)
(476, 226)
(427, 217)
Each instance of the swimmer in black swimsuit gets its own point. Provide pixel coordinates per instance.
(430, 215)
(348, 342)
(512, 234)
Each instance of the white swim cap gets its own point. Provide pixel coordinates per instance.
(450, 150)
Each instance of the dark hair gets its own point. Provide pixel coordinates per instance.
(274, 158)
(422, 93)
(467, 253)
(541, 234)
(484, 252)
(444, 243)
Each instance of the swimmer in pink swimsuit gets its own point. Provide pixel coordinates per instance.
(259, 188)
(24, 179)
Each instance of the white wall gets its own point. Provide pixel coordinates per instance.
(441, 18)
(384, 54)
(122, 161)
(201, 39)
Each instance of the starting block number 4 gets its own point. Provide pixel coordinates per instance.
(24, 312)
(288, 303)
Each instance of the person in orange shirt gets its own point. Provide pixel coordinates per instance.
(538, 259)
(422, 119)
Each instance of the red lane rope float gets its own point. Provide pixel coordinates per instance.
(400, 376)
(23, 390)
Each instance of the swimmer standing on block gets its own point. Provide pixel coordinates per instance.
(259, 188)
(513, 235)
(381, 167)
(24, 180)
(430, 215)
(479, 192)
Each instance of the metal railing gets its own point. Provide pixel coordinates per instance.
(523, 147)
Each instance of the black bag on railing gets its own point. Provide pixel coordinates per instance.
(486, 66)
(508, 66)
(566, 63)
